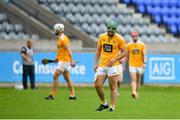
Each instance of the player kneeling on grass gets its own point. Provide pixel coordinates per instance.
(109, 45)
(137, 62)
(64, 60)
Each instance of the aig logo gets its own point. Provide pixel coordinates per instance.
(162, 68)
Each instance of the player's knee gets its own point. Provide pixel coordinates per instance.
(120, 81)
(113, 87)
(97, 85)
(67, 78)
(133, 81)
(138, 80)
(133, 78)
(55, 77)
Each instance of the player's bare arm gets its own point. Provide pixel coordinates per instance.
(118, 58)
(67, 47)
(98, 53)
(144, 58)
(123, 54)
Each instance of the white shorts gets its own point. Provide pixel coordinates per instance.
(120, 71)
(138, 70)
(95, 77)
(109, 71)
(63, 66)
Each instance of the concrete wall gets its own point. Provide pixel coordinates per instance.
(39, 45)
(163, 48)
(50, 45)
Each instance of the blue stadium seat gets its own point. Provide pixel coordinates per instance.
(178, 21)
(141, 9)
(172, 21)
(162, 11)
(173, 29)
(178, 4)
(165, 18)
(165, 3)
(148, 2)
(157, 19)
(156, 3)
(172, 11)
(179, 28)
(149, 9)
(173, 3)
(138, 2)
(156, 11)
(178, 11)
(127, 1)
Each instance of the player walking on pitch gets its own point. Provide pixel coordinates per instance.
(109, 45)
(64, 60)
(136, 52)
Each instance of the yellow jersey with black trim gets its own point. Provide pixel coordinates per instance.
(135, 51)
(62, 52)
(110, 47)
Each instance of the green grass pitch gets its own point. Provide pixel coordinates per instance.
(154, 102)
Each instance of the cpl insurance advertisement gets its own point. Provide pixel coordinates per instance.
(11, 67)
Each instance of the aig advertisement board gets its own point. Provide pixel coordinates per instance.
(11, 67)
(162, 69)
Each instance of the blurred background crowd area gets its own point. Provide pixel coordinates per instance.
(157, 21)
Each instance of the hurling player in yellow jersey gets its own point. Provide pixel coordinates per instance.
(137, 62)
(109, 45)
(64, 60)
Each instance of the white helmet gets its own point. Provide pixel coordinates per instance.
(58, 27)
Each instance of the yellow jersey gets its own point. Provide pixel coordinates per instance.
(62, 52)
(110, 47)
(135, 51)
